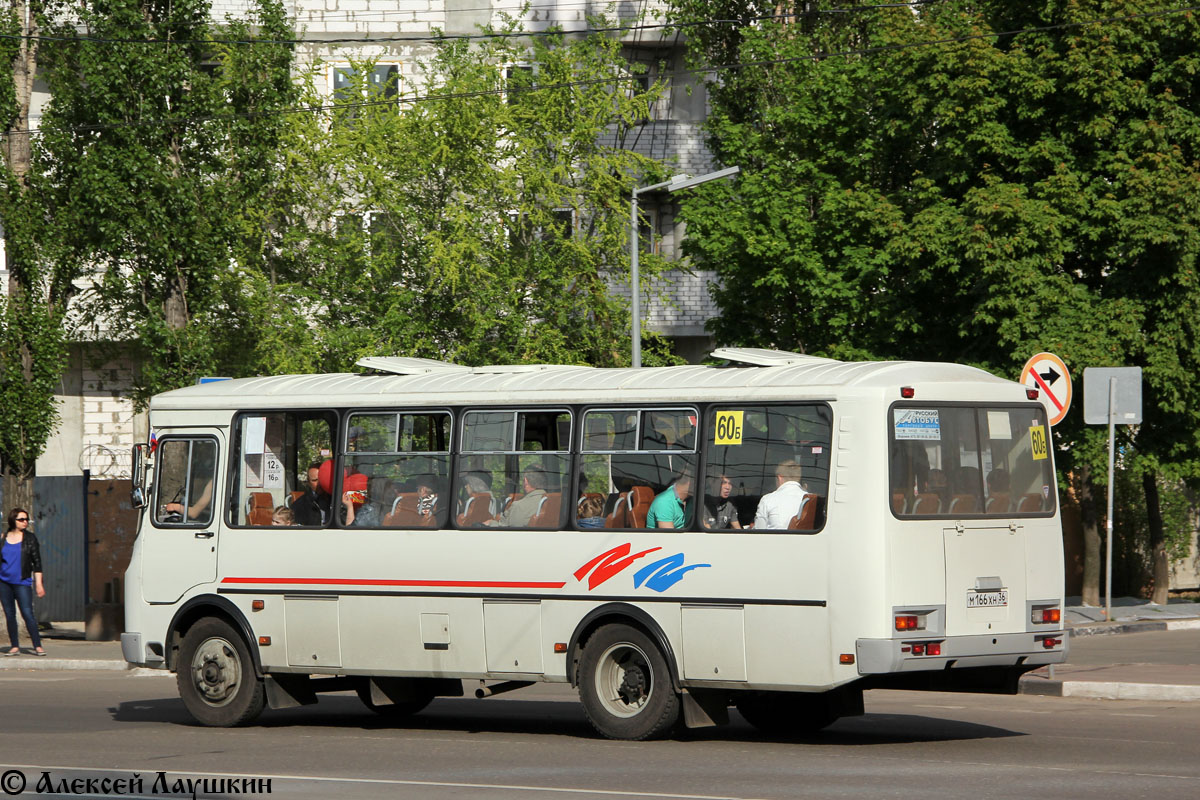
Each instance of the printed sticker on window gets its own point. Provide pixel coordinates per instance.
(914, 423)
(728, 429)
(1038, 443)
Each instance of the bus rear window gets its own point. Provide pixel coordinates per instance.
(966, 461)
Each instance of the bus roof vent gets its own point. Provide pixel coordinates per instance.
(400, 365)
(760, 357)
(500, 369)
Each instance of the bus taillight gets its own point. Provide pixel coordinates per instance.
(933, 649)
(1032, 394)
(1049, 643)
(1046, 614)
(908, 392)
(906, 622)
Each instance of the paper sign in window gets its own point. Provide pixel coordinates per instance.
(728, 428)
(1038, 443)
(913, 423)
(998, 425)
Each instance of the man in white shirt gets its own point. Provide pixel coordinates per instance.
(776, 509)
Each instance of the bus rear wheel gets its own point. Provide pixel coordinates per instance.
(625, 685)
(787, 714)
(216, 676)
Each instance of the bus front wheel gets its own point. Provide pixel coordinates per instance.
(216, 676)
(625, 685)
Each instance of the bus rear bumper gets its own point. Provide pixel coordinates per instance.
(889, 656)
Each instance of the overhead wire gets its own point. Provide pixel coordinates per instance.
(866, 51)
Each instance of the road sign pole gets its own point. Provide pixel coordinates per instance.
(1112, 414)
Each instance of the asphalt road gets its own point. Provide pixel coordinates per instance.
(536, 743)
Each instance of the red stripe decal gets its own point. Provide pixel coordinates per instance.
(382, 582)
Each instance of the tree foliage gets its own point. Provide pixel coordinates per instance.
(161, 153)
(481, 216)
(917, 185)
(33, 348)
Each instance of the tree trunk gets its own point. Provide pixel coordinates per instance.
(1160, 580)
(18, 471)
(1092, 557)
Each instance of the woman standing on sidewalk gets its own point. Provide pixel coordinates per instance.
(20, 569)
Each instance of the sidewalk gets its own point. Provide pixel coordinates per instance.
(1126, 678)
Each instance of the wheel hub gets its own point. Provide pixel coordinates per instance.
(216, 671)
(633, 684)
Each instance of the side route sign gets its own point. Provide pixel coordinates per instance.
(1048, 374)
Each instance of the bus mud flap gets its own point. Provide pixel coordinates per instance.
(703, 709)
(289, 691)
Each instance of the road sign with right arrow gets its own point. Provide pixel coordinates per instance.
(1048, 374)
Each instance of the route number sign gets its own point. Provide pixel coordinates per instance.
(728, 428)
(1048, 374)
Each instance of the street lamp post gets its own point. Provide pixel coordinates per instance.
(676, 184)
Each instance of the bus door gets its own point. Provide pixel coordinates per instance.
(179, 546)
(985, 578)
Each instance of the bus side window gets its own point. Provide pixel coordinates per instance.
(630, 459)
(513, 468)
(397, 470)
(187, 471)
(275, 453)
(766, 467)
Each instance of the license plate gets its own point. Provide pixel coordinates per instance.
(987, 599)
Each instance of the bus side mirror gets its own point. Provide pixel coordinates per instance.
(137, 495)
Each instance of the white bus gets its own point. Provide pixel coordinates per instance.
(506, 525)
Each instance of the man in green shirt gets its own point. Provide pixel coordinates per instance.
(672, 508)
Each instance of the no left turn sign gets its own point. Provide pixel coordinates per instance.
(1048, 374)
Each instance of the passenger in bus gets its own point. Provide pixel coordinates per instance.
(358, 512)
(312, 507)
(777, 508)
(591, 511)
(518, 514)
(426, 497)
(673, 507)
(719, 511)
(282, 516)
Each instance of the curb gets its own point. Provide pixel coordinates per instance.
(38, 663)
(1107, 628)
(1111, 690)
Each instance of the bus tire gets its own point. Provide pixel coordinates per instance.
(405, 708)
(216, 676)
(787, 714)
(625, 685)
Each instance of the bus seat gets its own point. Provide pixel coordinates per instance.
(927, 504)
(998, 503)
(476, 511)
(1030, 503)
(262, 508)
(964, 504)
(898, 502)
(806, 518)
(548, 511)
(404, 501)
(293, 497)
(640, 498)
(619, 516)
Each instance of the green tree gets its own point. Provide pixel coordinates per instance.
(483, 216)
(33, 350)
(162, 137)
(916, 185)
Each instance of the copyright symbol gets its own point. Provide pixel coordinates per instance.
(12, 782)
